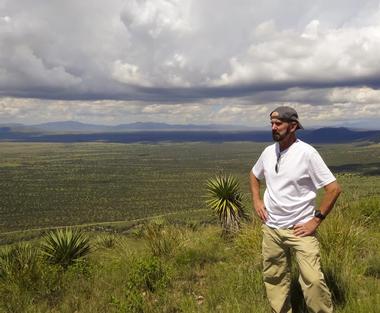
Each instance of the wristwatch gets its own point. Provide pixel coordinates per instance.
(319, 215)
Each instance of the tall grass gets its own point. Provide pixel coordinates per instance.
(24, 279)
(162, 239)
(349, 251)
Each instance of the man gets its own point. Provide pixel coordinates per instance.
(293, 172)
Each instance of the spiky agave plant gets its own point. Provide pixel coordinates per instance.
(225, 199)
(65, 246)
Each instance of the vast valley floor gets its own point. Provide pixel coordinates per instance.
(44, 185)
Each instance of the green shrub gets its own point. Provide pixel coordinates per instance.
(20, 264)
(24, 279)
(65, 246)
(137, 231)
(147, 276)
(162, 239)
(107, 241)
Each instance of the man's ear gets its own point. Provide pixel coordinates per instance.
(293, 126)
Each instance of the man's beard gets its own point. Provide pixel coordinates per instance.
(278, 136)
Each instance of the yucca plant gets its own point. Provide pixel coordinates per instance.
(65, 246)
(225, 199)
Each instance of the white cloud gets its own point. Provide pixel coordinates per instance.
(290, 56)
(6, 19)
(189, 60)
(343, 107)
(128, 73)
(311, 30)
(156, 17)
(92, 48)
(355, 96)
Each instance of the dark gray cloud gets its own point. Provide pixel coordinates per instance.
(165, 50)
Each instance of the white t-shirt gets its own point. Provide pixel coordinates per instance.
(290, 193)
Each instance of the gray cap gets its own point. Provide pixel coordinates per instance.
(286, 114)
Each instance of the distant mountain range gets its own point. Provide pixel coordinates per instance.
(157, 132)
(72, 126)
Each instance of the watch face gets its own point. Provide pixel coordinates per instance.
(319, 215)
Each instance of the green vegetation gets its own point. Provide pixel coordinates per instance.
(162, 238)
(46, 185)
(65, 246)
(155, 247)
(226, 200)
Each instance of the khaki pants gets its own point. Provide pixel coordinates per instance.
(276, 270)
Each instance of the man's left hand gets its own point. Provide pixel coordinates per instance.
(307, 228)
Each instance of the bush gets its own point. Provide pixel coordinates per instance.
(24, 279)
(107, 241)
(162, 239)
(147, 276)
(20, 264)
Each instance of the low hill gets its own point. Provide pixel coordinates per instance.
(78, 127)
(158, 132)
(339, 135)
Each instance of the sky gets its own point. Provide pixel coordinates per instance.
(190, 61)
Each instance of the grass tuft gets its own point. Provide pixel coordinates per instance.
(162, 239)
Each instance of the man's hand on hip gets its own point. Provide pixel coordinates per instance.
(307, 228)
(261, 210)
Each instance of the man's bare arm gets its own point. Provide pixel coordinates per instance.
(332, 192)
(258, 203)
